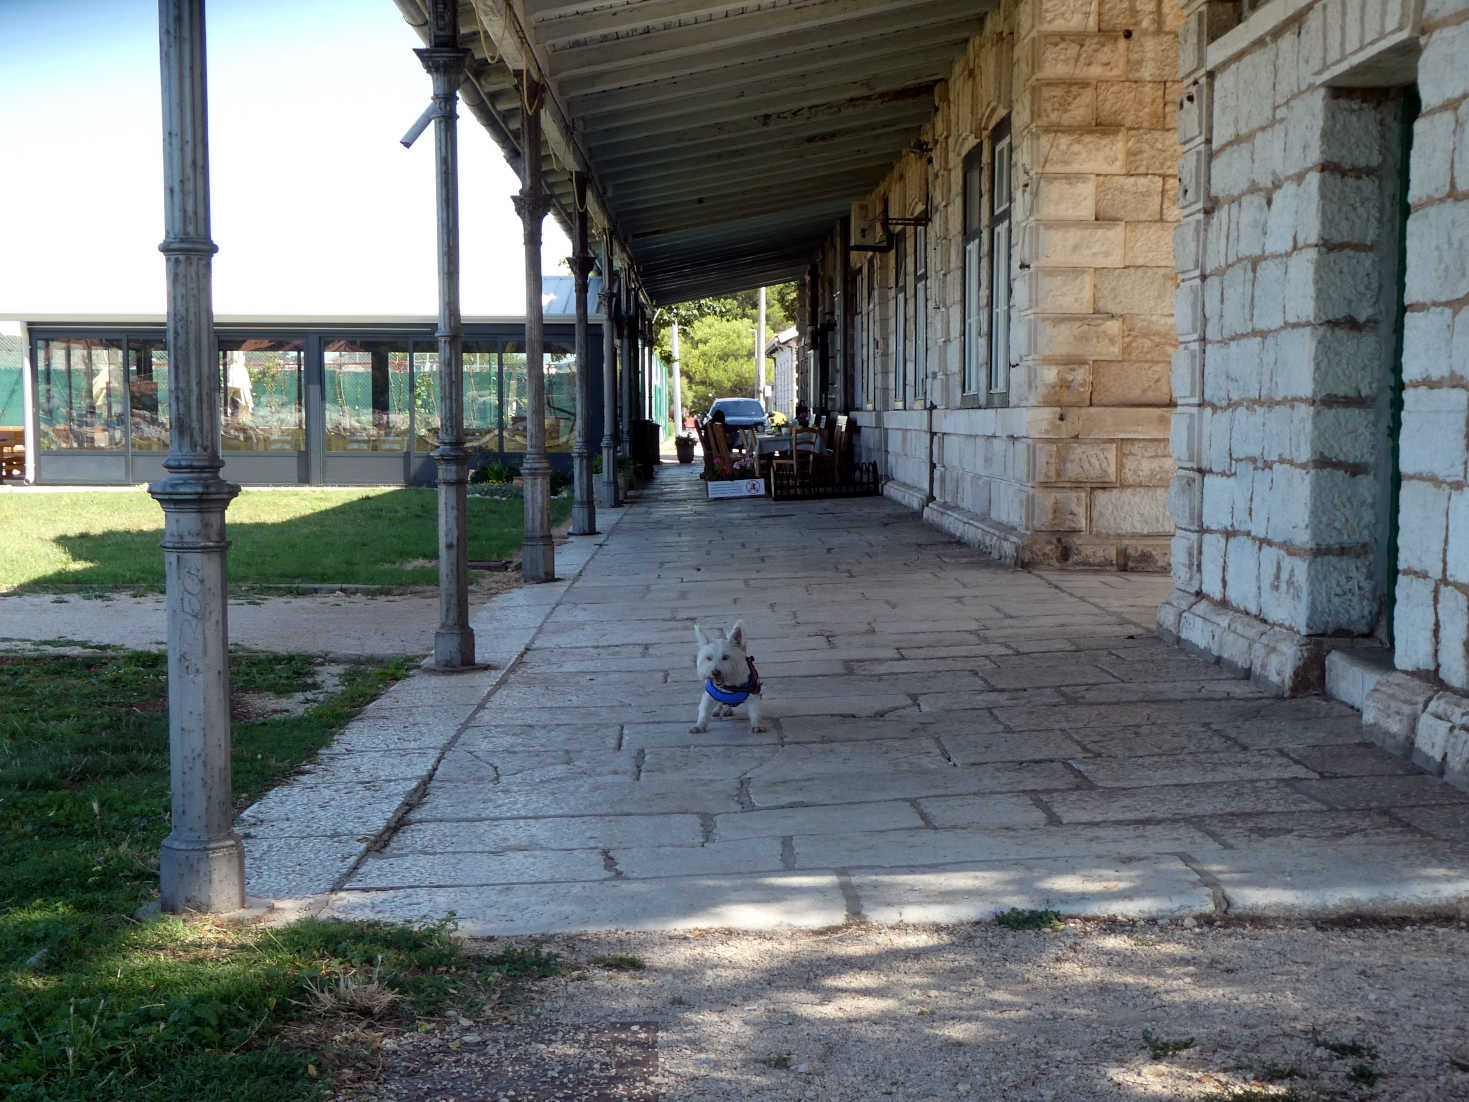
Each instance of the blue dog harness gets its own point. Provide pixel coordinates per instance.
(739, 694)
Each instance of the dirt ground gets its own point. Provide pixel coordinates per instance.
(1093, 1010)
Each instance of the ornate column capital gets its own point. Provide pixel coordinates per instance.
(581, 269)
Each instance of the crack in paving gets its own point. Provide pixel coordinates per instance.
(922, 815)
(849, 895)
(1216, 889)
(743, 795)
(1052, 819)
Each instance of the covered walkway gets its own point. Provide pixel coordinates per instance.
(948, 737)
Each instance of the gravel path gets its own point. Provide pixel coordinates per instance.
(922, 1013)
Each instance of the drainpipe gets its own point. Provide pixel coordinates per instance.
(932, 466)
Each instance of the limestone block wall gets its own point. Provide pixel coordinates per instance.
(1070, 464)
(1295, 265)
(1431, 623)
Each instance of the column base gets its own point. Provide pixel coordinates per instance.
(454, 649)
(208, 877)
(538, 559)
(583, 518)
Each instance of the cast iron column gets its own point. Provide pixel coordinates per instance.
(583, 506)
(202, 863)
(537, 555)
(607, 487)
(454, 639)
(629, 369)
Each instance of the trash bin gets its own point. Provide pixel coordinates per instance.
(643, 440)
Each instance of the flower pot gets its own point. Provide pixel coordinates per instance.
(685, 448)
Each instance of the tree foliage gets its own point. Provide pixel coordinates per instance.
(717, 343)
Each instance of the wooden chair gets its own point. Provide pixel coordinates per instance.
(718, 448)
(805, 447)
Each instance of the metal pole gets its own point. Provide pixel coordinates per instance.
(537, 554)
(583, 507)
(454, 639)
(760, 352)
(202, 863)
(607, 487)
(677, 378)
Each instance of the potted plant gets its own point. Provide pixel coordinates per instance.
(684, 445)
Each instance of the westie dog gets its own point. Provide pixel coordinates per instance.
(729, 677)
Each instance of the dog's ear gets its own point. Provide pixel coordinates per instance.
(737, 634)
(700, 636)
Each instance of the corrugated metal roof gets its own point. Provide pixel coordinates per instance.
(721, 140)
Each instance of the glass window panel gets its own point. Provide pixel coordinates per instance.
(481, 365)
(900, 320)
(426, 421)
(1000, 325)
(972, 317)
(482, 395)
(559, 367)
(260, 396)
(513, 370)
(920, 312)
(148, 395)
(81, 396)
(366, 395)
(560, 398)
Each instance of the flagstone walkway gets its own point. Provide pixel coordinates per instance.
(948, 737)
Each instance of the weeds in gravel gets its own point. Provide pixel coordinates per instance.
(1161, 1049)
(1344, 1048)
(1252, 1094)
(525, 964)
(619, 962)
(1364, 1073)
(1274, 1073)
(1018, 919)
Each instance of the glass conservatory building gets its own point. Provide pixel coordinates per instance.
(320, 401)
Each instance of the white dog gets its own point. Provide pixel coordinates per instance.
(729, 677)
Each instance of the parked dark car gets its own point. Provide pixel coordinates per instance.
(739, 413)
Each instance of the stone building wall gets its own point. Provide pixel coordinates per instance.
(1321, 272)
(1070, 464)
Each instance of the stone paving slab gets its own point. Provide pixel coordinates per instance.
(947, 737)
(1160, 887)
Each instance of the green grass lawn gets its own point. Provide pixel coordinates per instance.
(95, 1006)
(109, 540)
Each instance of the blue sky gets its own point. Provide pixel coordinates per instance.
(316, 207)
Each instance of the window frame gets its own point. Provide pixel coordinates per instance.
(920, 313)
(972, 268)
(998, 235)
(900, 321)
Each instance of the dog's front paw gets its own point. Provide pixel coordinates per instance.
(698, 729)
